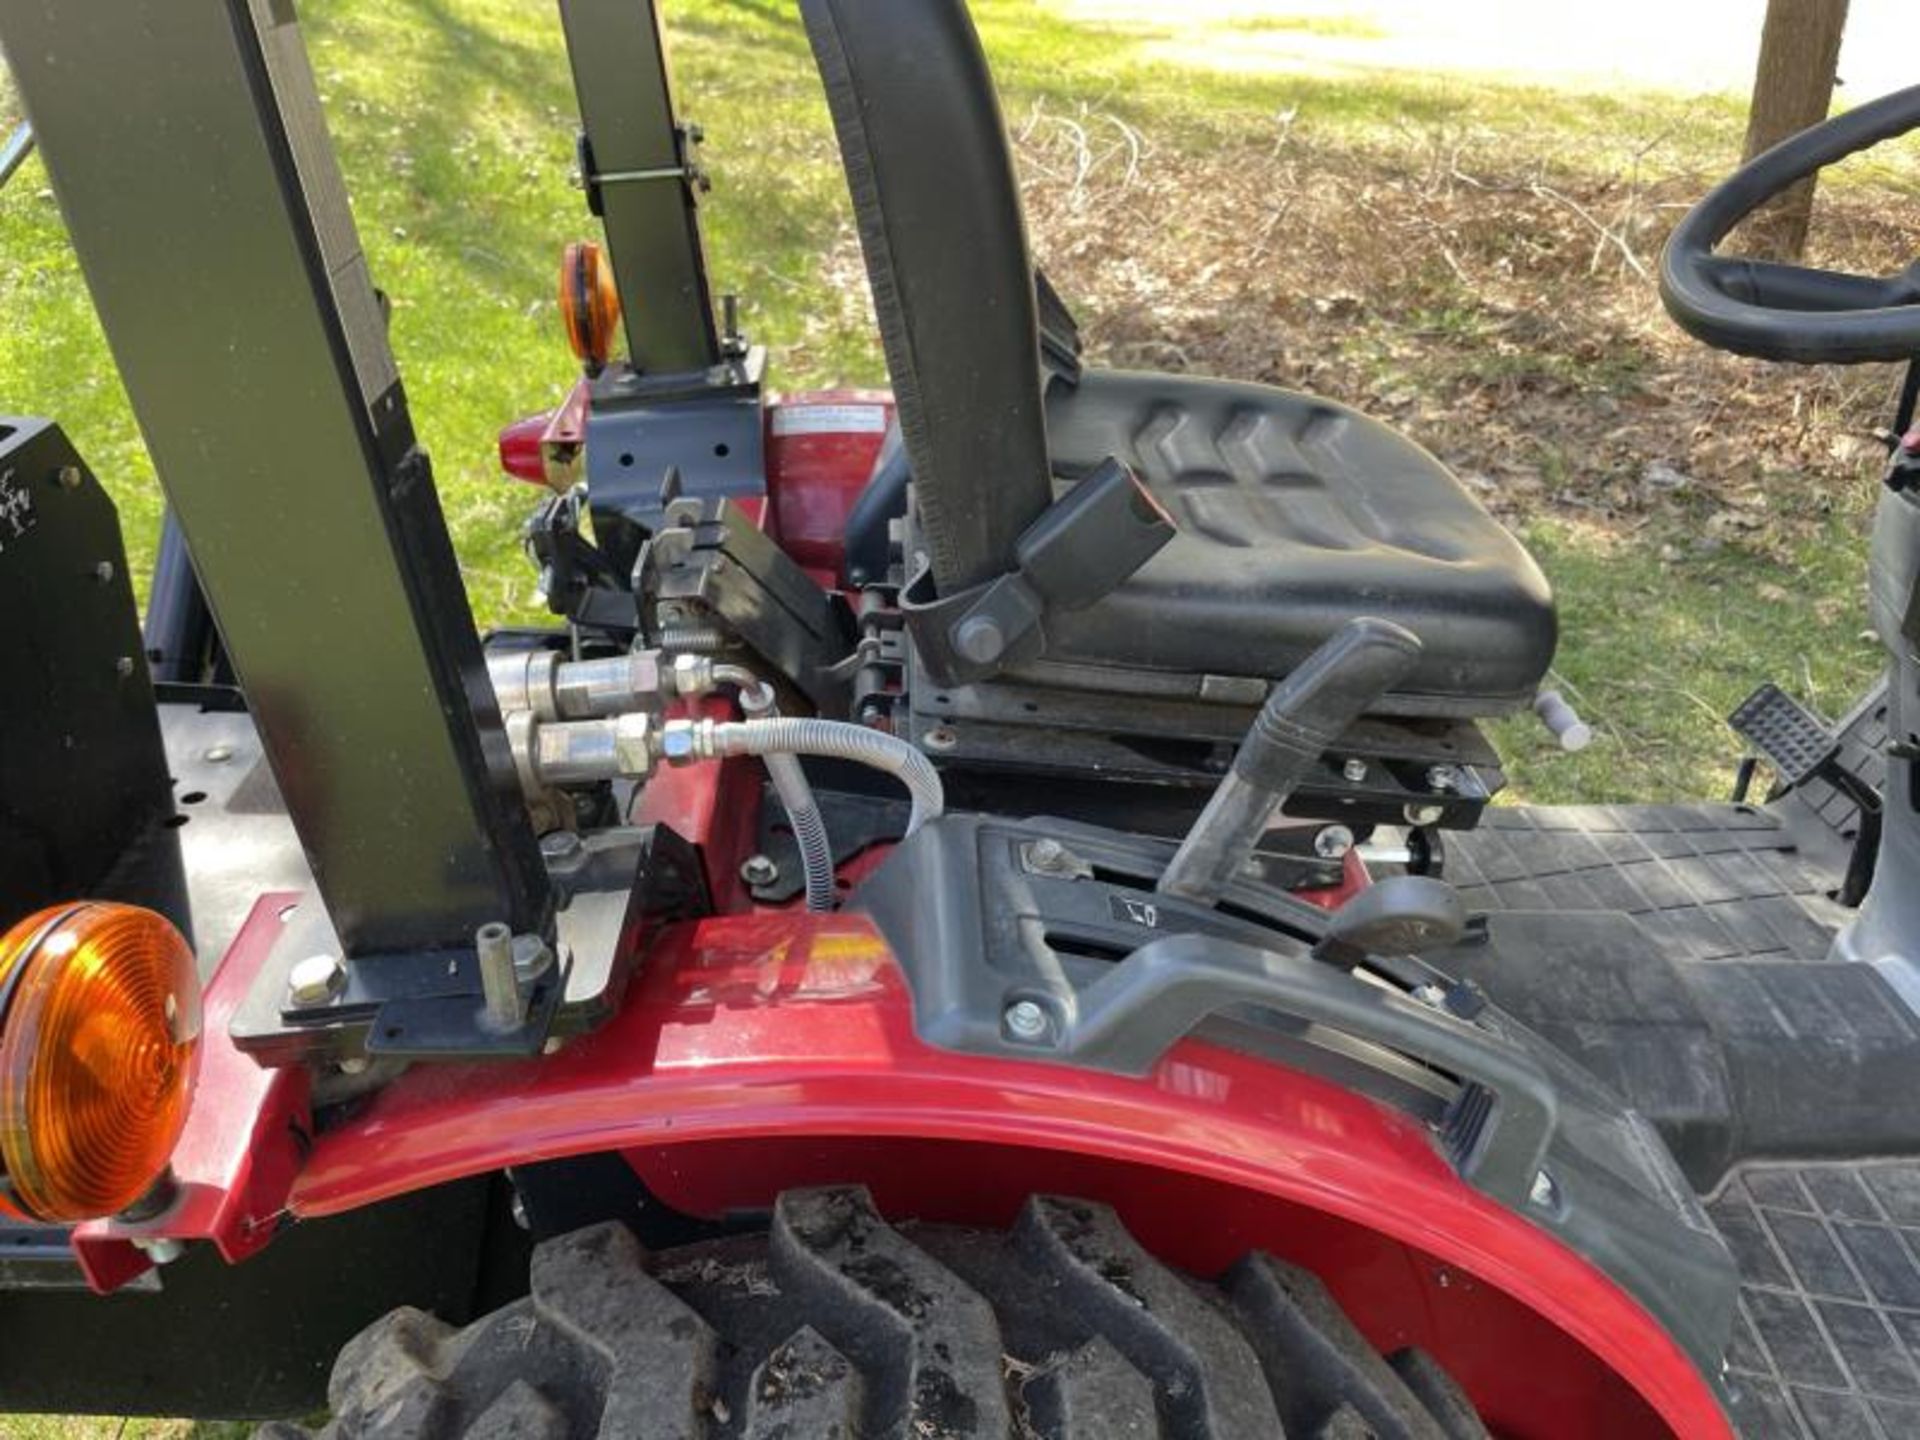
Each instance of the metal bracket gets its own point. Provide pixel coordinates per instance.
(1084, 546)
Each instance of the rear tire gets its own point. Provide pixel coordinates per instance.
(836, 1324)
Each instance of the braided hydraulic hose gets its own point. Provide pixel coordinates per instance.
(839, 740)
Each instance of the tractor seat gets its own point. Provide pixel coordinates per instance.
(1296, 514)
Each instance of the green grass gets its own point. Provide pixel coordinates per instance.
(454, 119)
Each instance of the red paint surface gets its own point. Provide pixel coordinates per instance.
(788, 1031)
(243, 1141)
(815, 477)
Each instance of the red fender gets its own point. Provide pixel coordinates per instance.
(769, 1049)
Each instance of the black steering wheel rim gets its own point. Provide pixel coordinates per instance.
(1789, 312)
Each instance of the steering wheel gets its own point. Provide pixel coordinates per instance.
(1791, 312)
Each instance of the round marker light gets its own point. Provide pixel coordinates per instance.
(589, 303)
(99, 1037)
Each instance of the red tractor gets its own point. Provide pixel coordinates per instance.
(981, 916)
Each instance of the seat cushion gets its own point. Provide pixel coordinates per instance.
(1295, 515)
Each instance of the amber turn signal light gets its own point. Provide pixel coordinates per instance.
(589, 303)
(99, 1037)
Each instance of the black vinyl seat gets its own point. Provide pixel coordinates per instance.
(1295, 515)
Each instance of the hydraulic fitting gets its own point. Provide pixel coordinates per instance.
(582, 752)
(543, 684)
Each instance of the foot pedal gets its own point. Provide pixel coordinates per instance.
(1790, 737)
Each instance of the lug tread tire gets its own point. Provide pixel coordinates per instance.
(837, 1324)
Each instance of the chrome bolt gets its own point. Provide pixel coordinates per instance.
(219, 754)
(759, 870)
(1026, 1020)
(1333, 842)
(1355, 770)
(317, 980)
(940, 738)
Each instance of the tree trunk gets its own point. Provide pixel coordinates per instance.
(1799, 59)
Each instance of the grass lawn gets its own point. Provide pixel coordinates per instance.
(1466, 260)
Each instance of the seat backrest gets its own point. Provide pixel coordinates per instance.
(938, 209)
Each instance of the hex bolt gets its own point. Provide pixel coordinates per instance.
(1026, 1020)
(1443, 777)
(317, 980)
(103, 573)
(1431, 994)
(1424, 814)
(1355, 770)
(123, 667)
(1333, 842)
(561, 845)
(758, 870)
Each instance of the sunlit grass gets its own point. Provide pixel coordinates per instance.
(455, 123)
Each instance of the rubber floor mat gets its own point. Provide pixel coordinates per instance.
(1827, 1343)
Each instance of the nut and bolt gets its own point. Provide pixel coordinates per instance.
(103, 573)
(941, 737)
(1424, 814)
(1443, 777)
(759, 870)
(1431, 994)
(1026, 1020)
(1333, 842)
(561, 845)
(123, 667)
(1355, 770)
(317, 980)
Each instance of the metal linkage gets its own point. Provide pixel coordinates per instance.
(14, 153)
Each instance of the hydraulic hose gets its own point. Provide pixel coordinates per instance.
(791, 785)
(840, 740)
(809, 828)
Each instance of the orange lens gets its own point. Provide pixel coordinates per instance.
(589, 302)
(98, 1043)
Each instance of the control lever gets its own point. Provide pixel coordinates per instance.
(1305, 715)
(1400, 915)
